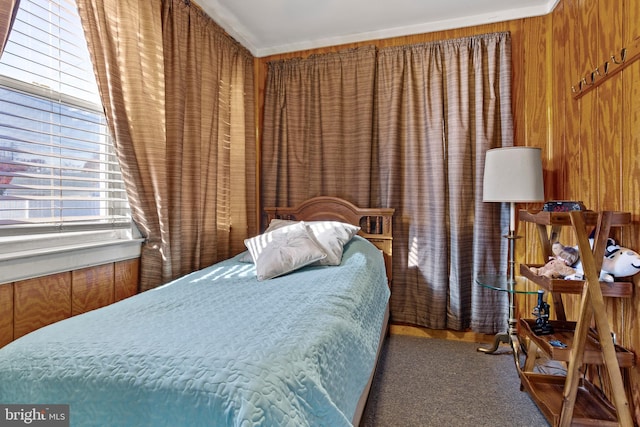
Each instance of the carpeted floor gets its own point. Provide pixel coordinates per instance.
(446, 383)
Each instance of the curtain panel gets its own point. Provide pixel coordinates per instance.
(8, 11)
(445, 104)
(211, 138)
(437, 108)
(178, 96)
(318, 128)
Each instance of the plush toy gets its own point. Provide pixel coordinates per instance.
(618, 262)
(554, 269)
(568, 254)
(621, 262)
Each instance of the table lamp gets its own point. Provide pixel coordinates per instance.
(512, 175)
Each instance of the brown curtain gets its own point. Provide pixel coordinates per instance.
(211, 138)
(8, 11)
(442, 105)
(318, 128)
(178, 95)
(414, 142)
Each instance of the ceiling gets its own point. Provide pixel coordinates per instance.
(268, 27)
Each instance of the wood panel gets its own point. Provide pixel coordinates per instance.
(40, 302)
(127, 276)
(609, 111)
(92, 288)
(628, 326)
(585, 59)
(566, 43)
(30, 304)
(528, 113)
(6, 314)
(609, 108)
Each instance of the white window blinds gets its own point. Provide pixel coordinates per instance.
(58, 170)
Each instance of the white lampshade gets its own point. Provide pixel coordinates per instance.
(513, 174)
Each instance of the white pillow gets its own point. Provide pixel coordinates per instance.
(283, 250)
(332, 236)
(245, 257)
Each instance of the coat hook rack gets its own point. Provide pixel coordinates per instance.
(616, 63)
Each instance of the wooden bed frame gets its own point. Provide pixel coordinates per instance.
(375, 223)
(375, 226)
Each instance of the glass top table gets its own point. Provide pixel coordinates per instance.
(498, 282)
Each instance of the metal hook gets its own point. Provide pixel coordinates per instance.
(623, 56)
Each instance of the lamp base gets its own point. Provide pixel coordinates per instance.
(507, 337)
(502, 337)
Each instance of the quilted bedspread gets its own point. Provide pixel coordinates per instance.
(213, 348)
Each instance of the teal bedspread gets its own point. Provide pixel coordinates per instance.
(213, 348)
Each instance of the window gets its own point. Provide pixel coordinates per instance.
(58, 170)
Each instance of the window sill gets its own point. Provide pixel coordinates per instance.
(29, 263)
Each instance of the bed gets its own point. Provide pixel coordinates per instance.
(221, 347)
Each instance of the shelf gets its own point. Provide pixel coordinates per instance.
(572, 400)
(563, 331)
(618, 219)
(590, 409)
(609, 289)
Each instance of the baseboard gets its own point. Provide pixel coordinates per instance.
(418, 331)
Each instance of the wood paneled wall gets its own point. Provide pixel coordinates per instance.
(591, 145)
(30, 304)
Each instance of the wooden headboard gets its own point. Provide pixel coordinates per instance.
(375, 223)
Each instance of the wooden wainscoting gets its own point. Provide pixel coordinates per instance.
(6, 314)
(30, 304)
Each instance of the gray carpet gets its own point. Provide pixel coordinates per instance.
(446, 383)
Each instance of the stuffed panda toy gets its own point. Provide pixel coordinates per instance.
(618, 262)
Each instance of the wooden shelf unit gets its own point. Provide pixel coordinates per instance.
(572, 400)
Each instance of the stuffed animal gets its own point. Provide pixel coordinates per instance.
(621, 262)
(618, 262)
(554, 269)
(568, 254)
